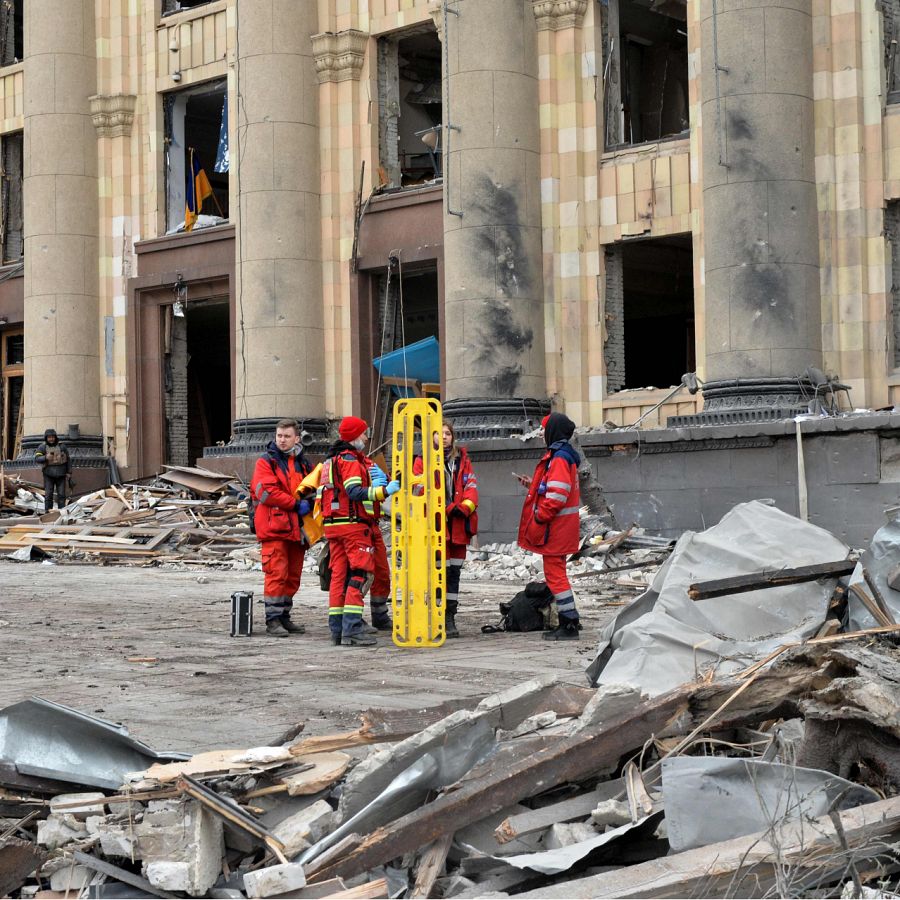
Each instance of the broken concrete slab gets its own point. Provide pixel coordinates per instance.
(480, 836)
(305, 827)
(274, 880)
(562, 834)
(93, 805)
(58, 830)
(181, 845)
(611, 813)
(71, 878)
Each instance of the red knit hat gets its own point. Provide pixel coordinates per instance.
(351, 428)
(545, 420)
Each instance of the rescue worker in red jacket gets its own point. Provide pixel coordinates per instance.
(351, 507)
(461, 487)
(277, 519)
(549, 524)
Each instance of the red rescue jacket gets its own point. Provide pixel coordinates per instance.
(549, 523)
(275, 478)
(345, 488)
(462, 488)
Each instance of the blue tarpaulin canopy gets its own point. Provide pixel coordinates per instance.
(423, 362)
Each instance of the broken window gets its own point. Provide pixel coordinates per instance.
(649, 304)
(892, 232)
(409, 107)
(645, 70)
(11, 31)
(174, 6)
(12, 383)
(890, 16)
(11, 223)
(197, 378)
(196, 122)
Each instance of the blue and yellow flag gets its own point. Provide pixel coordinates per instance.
(197, 190)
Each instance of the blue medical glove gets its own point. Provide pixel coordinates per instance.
(379, 478)
(304, 508)
(392, 488)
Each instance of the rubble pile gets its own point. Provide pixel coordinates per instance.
(185, 516)
(742, 740)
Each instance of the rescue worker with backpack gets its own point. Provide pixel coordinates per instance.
(56, 467)
(461, 487)
(550, 523)
(351, 508)
(278, 523)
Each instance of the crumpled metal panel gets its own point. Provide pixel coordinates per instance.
(49, 740)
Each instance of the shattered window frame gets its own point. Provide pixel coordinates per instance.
(628, 56)
(410, 107)
(12, 226)
(171, 7)
(176, 113)
(12, 38)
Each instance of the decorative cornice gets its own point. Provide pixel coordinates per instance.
(436, 11)
(555, 15)
(339, 55)
(112, 114)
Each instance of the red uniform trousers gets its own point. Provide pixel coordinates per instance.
(282, 563)
(381, 584)
(352, 563)
(558, 582)
(456, 556)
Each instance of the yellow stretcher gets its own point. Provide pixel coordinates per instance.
(418, 526)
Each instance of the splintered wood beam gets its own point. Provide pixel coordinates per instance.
(576, 758)
(741, 584)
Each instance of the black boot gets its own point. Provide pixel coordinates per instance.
(335, 639)
(382, 623)
(274, 628)
(567, 631)
(367, 628)
(359, 638)
(450, 628)
(292, 627)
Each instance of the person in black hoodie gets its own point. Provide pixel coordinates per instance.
(549, 525)
(56, 466)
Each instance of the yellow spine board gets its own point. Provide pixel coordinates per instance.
(418, 526)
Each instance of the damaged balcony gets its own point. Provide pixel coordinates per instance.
(646, 66)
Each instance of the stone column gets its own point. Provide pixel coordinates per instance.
(62, 330)
(492, 251)
(279, 357)
(763, 316)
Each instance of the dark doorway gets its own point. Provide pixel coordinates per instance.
(198, 379)
(658, 311)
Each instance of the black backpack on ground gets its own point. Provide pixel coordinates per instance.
(524, 611)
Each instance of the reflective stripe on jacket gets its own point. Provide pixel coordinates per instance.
(276, 477)
(549, 523)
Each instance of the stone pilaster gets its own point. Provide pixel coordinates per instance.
(280, 358)
(62, 347)
(493, 267)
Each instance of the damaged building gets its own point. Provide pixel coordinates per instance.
(236, 209)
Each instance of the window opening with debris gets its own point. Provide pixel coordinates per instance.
(195, 119)
(197, 379)
(11, 32)
(649, 305)
(892, 232)
(173, 6)
(409, 107)
(12, 236)
(646, 70)
(12, 383)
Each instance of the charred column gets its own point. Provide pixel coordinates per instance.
(760, 225)
(492, 214)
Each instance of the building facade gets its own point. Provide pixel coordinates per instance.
(580, 200)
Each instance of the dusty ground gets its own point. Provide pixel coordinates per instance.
(67, 631)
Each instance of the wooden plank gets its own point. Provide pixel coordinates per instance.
(328, 742)
(326, 769)
(431, 865)
(740, 584)
(123, 875)
(564, 811)
(371, 889)
(747, 866)
(879, 598)
(574, 759)
(871, 605)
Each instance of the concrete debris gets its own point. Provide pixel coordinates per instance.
(545, 789)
